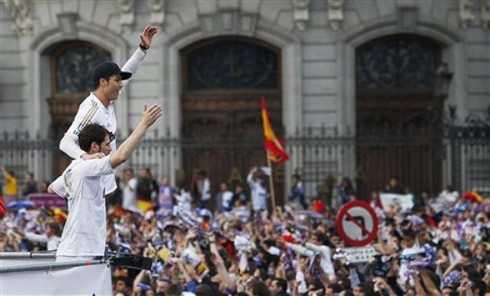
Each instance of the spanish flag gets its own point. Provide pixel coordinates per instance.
(273, 145)
(59, 215)
(473, 197)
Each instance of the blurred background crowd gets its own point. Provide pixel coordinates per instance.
(235, 243)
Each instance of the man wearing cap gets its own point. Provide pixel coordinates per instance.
(109, 81)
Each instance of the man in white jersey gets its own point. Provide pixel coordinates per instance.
(129, 191)
(258, 192)
(109, 81)
(84, 235)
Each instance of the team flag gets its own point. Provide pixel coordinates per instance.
(473, 197)
(272, 144)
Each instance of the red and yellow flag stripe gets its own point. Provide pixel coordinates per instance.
(272, 144)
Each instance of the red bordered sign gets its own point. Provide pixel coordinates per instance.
(357, 223)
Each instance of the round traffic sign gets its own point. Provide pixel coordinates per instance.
(357, 223)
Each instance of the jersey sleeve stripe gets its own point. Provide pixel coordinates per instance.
(90, 114)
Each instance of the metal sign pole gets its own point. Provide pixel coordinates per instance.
(51, 266)
(27, 255)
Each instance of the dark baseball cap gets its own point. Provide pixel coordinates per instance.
(107, 69)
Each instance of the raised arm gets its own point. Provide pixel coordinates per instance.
(250, 176)
(6, 174)
(315, 248)
(299, 249)
(132, 65)
(150, 115)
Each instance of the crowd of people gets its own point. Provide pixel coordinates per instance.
(439, 247)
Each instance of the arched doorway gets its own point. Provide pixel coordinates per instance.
(395, 81)
(71, 64)
(222, 81)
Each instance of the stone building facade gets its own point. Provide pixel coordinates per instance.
(319, 45)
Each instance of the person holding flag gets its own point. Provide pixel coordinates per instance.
(258, 192)
(273, 146)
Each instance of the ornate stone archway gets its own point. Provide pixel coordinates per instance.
(222, 81)
(452, 53)
(288, 43)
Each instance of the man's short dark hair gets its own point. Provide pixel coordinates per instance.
(259, 288)
(322, 237)
(282, 283)
(173, 290)
(409, 233)
(55, 227)
(105, 77)
(128, 170)
(204, 290)
(336, 288)
(92, 133)
(481, 286)
(123, 279)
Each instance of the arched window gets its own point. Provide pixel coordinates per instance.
(395, 83)
(396, 64)
(72, 64)
(230, 66)
(395, 80)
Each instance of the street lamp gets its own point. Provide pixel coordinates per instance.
(442, 81)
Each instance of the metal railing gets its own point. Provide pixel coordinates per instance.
(457, 155)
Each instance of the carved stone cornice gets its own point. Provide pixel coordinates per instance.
(126, 15)
(226, 105)
(301, 13)
(228, 22)
(19, 10)
(335, 13)
(157, 11)
(466, 12)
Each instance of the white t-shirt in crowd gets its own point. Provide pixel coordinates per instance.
(51, 242)
(227, 201)
(84, 233)
(258, 194)
(129, 201)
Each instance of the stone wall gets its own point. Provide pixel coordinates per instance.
(319, 51)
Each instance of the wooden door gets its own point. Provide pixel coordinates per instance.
(222, 82)
(224, 138)
(397, 142)
(396, 134)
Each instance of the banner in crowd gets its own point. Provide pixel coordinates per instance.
(403, 201)
(93, 280)
(47, 200)
(359, 255)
